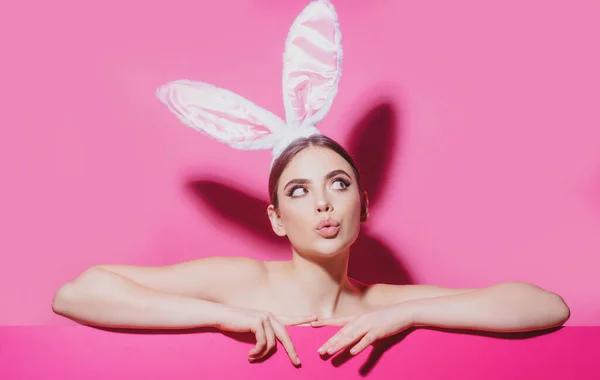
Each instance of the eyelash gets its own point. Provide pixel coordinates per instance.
(344, 181)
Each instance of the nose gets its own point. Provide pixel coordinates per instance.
(322, 206)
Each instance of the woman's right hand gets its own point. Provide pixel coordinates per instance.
(266, 328)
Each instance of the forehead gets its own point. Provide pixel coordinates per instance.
(313, 163)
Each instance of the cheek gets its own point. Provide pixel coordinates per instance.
(296, 214)
(352, 216)
(351, 205)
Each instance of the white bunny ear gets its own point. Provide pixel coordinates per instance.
(311, 64)
(222, 114)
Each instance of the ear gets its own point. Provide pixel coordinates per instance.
(311, 64)
(276, 222)
(221, 114)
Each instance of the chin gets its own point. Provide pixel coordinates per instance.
(329, 247)
(317, 246)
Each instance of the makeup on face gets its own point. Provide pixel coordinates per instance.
(338, 177)
(318, 202)
(328, 228)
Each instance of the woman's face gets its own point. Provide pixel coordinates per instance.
(319, 203)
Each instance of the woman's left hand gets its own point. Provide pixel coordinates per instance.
(365, 328)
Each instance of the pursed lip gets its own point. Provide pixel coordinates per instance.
(329, 222)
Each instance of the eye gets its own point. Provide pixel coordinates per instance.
(297, 191)
(340, 184)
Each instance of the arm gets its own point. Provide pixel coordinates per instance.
(509, 306)
(506, 307)
(184, 295)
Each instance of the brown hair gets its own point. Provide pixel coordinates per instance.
(300, 144)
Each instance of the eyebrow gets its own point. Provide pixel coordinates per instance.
(302, 181)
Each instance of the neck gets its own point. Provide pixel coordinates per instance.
(321, 280)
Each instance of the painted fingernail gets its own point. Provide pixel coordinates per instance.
(321, 350)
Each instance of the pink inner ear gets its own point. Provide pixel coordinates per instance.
(227, 126)
(220, 113)
(324, 26)
(324, 57)
(310, 63)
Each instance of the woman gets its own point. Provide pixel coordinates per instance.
(318, 203)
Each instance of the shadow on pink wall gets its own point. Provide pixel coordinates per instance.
(372, 145)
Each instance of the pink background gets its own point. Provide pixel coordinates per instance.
(488, 115)
(77, 352)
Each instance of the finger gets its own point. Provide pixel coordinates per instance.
(339, 321)
(270, 336)
(365, 342)
(296, 320)
(343, 343)
(286, 341)
(337, 336)
(342, 340)
(261, 341)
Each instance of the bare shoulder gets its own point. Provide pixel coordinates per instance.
(210, 278)
(379, 295)
(244, 268)
(239, 268)
(228, 272)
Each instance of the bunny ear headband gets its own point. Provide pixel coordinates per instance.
(311, 72)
